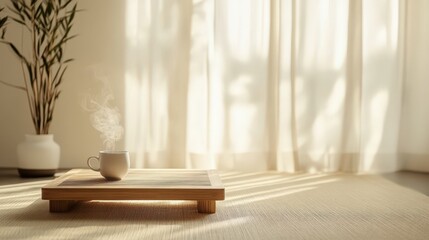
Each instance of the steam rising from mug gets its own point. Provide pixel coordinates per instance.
(104, 118)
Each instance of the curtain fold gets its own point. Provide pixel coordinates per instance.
(281, 85)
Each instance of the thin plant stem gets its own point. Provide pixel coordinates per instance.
(13, 85)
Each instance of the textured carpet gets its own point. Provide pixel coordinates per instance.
(257, 206)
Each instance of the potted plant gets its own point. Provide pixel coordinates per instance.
(47, 25)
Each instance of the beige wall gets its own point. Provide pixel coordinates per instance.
(100, 44)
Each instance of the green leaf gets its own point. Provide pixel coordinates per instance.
(19, 21)
(30, 71)
(17, 52)
(65, 4)
(57, 72)
(60, 79)
(38, 12)
(45, 65)
(3, 21)
(49, 8)
(73, 13)
(68, 60)
(69, 38)
(17, 9)
(27, 14)
(15, 5)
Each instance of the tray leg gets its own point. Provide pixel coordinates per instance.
(206, 206)
(61, 205)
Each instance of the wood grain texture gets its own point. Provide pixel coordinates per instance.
(203, 186)
(206, 206)
(61, 205)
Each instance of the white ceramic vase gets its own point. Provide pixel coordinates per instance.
(38, 156)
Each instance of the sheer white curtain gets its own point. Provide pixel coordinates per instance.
(316, 85)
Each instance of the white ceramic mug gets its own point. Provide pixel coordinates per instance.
(114, 165)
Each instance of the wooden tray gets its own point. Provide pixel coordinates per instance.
(203, 186)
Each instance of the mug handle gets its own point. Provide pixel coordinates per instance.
(89, 163)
